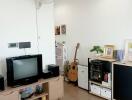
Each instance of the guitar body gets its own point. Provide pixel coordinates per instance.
(73, 73)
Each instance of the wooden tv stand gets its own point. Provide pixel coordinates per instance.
(53, 90)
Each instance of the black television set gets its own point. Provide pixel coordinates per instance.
(23, 70)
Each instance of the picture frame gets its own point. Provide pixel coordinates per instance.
(128, 50)
(57, 30)
(108, 51)
(63, 29)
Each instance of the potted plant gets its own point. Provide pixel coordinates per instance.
(97, 49)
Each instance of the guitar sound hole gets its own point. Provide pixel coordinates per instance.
(73, 67)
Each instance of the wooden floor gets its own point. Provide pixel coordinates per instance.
(72, 92)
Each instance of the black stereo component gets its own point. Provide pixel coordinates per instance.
(46, 74)
(2, 87)
(54, 69)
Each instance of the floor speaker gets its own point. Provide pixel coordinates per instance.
(2, 87)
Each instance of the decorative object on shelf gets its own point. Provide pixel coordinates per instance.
(39, 89)
(120, 55)
(97, 49)
(57, 30)
(106, 77)
(107, 80)
(108, 51)
(26, 93)
(63, 29)
(128, 50)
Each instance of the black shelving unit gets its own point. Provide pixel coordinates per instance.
(97, 70)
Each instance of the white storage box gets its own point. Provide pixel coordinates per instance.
(95, 89)
(106, 93)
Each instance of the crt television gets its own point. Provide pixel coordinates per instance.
(23, 70)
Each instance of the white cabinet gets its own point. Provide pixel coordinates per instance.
(83, 76)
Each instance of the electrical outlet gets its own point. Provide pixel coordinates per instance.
(12, 45)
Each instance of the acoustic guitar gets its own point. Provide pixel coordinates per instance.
(72, 73)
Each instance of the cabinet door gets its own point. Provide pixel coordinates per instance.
(83, 77)
(56, 90)
(61, 88)
(122, 82)
(12, 95)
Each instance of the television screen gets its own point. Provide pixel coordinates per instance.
(24, 68)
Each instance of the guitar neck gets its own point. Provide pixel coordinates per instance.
(75, 55)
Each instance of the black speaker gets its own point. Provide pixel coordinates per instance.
(2, 87)
(46, 74)
(54, 69)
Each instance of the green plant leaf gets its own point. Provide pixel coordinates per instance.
(97, 49)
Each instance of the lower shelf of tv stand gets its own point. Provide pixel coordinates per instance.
(37, 96)
(51, 87)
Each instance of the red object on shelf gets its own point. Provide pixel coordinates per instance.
(106, 77)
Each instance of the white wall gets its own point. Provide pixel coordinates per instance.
(93, 22)
(18, 24)
(46, 33)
